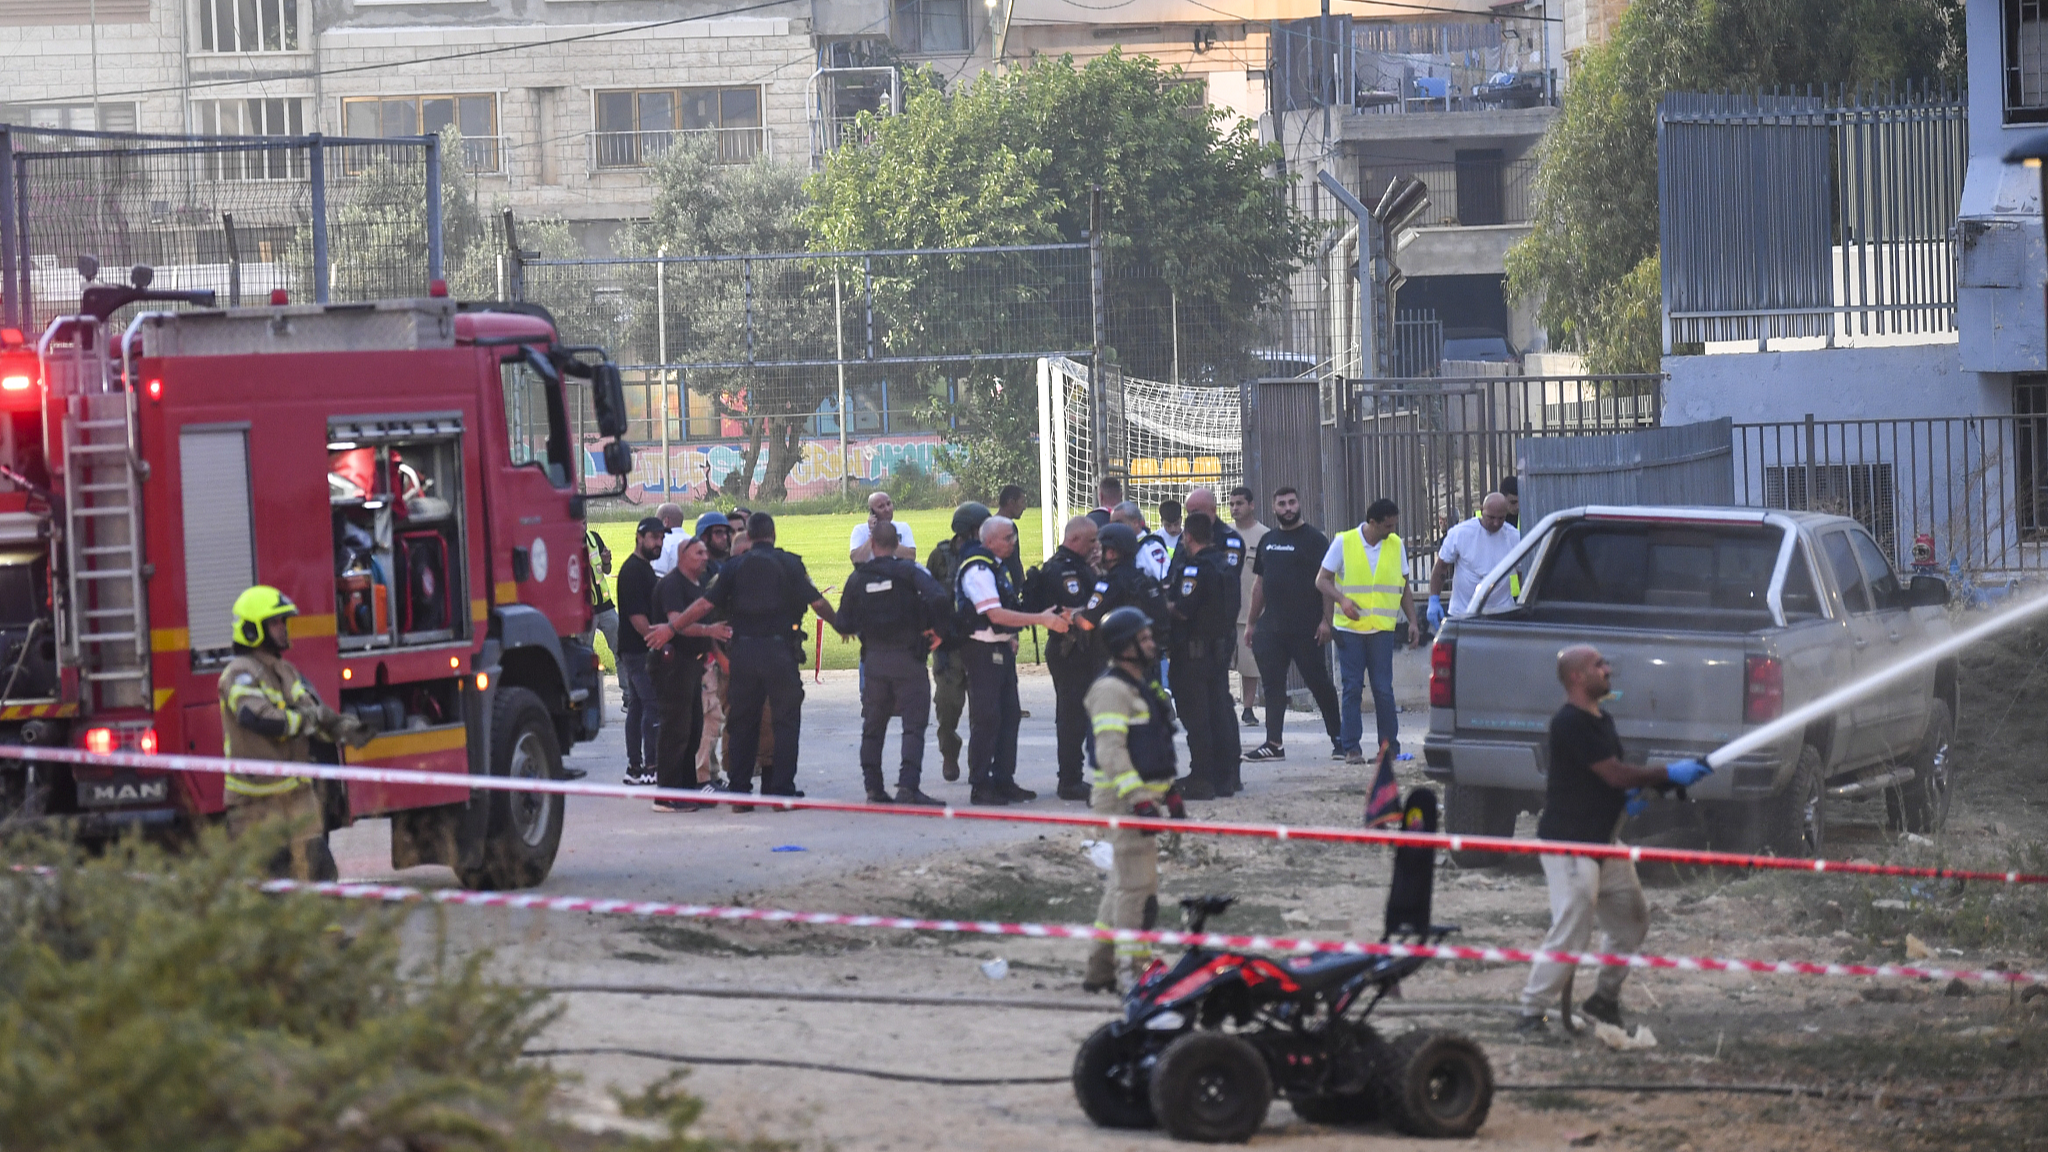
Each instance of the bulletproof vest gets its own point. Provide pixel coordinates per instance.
(970, 621)
(889, 613)
(1151, 743)
(761, 594)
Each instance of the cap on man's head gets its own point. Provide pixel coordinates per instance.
(651, 524)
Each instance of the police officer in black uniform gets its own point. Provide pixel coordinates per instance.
(896, 609)
(1124, 583)
(1231, 549)
(1067, 580)
(1205, 623)
(763, 593)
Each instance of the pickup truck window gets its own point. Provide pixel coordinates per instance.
(1663, 566)
(1842, 562)
(1884, 579)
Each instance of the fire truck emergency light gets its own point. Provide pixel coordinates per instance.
(19, 368)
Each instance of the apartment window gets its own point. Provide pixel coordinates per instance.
(934, 26)
(2026, 61)
(249, 25)
(284, 117)
(475, 116)
(635, 126)
(75, 117)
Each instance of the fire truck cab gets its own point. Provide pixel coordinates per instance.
(407, 471)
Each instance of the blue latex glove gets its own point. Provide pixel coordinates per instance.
(1637, 805)
(1436, 613)
(1686, 773)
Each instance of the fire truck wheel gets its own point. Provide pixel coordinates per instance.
(525, 828)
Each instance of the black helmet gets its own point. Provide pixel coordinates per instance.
(969, 517)
(1121, 627)
(1120, 537)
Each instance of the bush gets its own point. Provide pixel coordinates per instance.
(183, 1008)
(911, 487)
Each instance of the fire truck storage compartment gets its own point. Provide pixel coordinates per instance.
(394, 490)
(28, 648)
(414, 707)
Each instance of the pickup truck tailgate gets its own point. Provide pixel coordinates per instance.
(1674, 687)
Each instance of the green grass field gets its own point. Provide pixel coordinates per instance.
(821, 541)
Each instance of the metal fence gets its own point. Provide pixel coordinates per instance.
(1378, 66)
(1436, 447)
(1977, 486)
(324, 218)
(1823, 214)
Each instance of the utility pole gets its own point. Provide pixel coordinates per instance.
(1098, 371)
(661, 340)
(839, 343)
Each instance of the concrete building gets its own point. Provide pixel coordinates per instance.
(1458, 103)
(563, 103)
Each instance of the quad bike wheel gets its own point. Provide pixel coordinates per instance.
(1110, 1094)
(1211, 1087)
(1436, 1085)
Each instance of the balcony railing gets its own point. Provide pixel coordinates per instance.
(639, 149)
(481, 155)
(1469, 195)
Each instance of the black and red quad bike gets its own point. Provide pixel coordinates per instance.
(1204, 1045)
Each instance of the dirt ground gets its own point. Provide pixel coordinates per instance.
(1891, 1064)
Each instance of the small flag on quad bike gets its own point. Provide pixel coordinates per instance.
(1383, 802)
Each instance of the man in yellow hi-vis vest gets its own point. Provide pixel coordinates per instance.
(269, 712)
(1365, 575)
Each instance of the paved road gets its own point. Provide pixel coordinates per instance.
(622, 849)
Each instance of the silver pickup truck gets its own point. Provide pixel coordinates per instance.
(1716, 621)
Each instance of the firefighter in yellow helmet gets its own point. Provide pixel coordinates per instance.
(269, 712)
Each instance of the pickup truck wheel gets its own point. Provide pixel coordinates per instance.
(524, 828)
(1473, 811)
(1921, 804)
(1792, 823)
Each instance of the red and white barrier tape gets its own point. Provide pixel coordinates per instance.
(1453, 842)
(392, 893)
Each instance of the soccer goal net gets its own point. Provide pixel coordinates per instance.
(1163, 439)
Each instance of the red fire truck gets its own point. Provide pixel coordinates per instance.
(406, 471)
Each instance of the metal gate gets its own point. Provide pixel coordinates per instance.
(1437, 447)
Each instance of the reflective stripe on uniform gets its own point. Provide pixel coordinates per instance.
(1374, 588)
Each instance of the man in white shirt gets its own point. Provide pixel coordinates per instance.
(1472, 547)
(1170, 524)
(673, 540)
(880, 508)
(1153, 554)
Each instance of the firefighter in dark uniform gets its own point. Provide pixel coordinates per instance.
(1133, 759)
(1204, 638)
(269, 712)
(1067, 580)
(949, 674)
(896, 608)
(763, 593)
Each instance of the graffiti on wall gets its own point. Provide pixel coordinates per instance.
(698, 471)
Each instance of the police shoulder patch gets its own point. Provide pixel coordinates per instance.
(1073, 585)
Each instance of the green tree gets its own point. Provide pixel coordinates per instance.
(1591, 257)
(1010, 159)
(730, 311)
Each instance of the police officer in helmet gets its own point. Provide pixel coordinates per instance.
(1067, 580)
(898, 611)
(1134, 768)
(1124, 583)
(949, 671)
(269, 712)
(1204, 639)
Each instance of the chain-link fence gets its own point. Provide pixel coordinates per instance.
(323, 218)
(762, 369)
